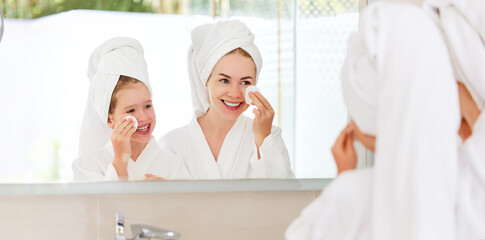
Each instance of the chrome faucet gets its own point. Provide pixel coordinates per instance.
(141, 231)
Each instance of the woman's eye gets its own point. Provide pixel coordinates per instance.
(246, 83)
(224, 81)
(148, 106)
(130, 111)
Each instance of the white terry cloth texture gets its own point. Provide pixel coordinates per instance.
(210, 42)
(463, 26)
(113, 58)
(398, 85)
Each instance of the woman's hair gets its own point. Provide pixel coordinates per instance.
(244, 54)
(240, 51)
(123, 81)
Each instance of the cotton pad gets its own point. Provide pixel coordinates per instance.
(251, 88)
(135, 122)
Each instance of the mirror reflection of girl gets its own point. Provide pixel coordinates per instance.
(112, 144)
(220, 142)
(402, 99)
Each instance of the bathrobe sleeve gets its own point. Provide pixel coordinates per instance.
(275, 160)
(472, 154)
(471, 185)
(92, 166)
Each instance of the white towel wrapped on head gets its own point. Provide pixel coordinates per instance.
(113, 58)
(210, 42)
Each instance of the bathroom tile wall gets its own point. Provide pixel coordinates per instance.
(199, 216)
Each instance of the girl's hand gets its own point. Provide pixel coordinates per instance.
(120, 139)
(263, 120)
(151, 177)
(343, 151)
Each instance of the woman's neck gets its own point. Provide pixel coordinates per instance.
(136, 149)
(213, 123)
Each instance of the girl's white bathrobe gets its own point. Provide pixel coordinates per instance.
(96, 165)
(238, 157)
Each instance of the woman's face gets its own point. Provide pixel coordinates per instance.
(227, 85)
(135, 99)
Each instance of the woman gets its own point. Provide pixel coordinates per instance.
(220, 142)
(462, 23)
(120, 105)
(398, 85)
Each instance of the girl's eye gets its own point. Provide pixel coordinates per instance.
(130, 111)
(224, 81)
(246, 83)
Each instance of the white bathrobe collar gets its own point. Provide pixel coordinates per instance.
(229, 153)
(138, 168)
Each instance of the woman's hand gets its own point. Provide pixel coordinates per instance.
(120, 139)
(343, 150)
(151, 177)
(468, 107)
(263, 120)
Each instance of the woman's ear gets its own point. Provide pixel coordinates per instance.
(111, 123)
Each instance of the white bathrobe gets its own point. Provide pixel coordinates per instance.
(398, 85)
(471, 185)
(96, 165)
(463, 26)
(238, 157)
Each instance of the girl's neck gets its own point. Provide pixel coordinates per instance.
(212, 122)
(136, 149)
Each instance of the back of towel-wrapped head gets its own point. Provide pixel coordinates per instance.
(113, 58)
(463, 25)
(210, 42)
(398, 85)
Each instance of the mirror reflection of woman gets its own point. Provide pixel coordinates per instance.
(116, 138)
(220, 142)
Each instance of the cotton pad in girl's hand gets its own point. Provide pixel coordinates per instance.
(249, 89)
(135, 122)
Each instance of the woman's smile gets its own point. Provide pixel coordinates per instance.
(232, 105)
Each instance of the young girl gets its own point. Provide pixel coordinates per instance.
(120, 105)
(220, 142)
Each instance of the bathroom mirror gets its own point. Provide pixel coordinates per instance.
(44, 62)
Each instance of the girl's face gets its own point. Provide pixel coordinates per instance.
(227, 85)
(135, 99)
